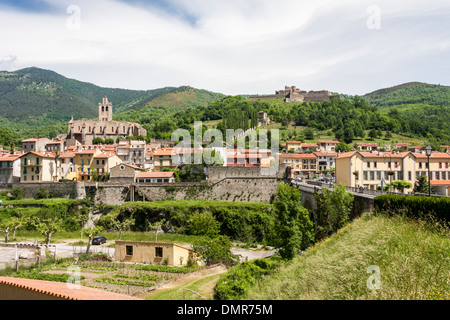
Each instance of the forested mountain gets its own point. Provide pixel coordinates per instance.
(36, 102)
(410, 93)
(39, 103)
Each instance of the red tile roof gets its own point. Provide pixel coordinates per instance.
(440, 182)
(61, 290)
(155, 175)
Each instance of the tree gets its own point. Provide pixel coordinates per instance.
(388, 135)
(309, 133)
(293, 226)
(91, 233)
(348, 135)
(6, 228)
(42, 193)
(203, 224)
(401, 185)
(217, 250)
(117, 224)
(333, 210)
(156, 226)
(422, 185)
(47, 223)
(373, 134)
(342, 147)
(339, 134)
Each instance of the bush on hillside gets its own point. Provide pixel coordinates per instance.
(414, 207)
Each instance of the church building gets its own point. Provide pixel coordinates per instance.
(84, 131)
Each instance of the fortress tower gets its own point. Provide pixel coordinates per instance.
(105, 110)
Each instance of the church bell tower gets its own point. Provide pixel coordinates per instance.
(105, 110)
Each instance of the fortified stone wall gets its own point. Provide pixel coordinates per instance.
(224, 184)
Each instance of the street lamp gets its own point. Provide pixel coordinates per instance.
(428, 151)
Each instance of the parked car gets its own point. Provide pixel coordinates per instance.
(98, 240)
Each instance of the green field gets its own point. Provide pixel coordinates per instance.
(412, 257)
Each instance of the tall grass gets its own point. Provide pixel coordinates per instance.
(413, 257)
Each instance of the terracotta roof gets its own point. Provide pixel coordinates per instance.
(55, 142)
(347, 154)
(67, 154)
(87, 151)
(155, 175)
(10, 158)
(104, 155)
(294, 142)
(309, 145)
(440, 182)
(61, 290)
(163, 152)
(434, 155)
(298, 156)
(328, 141)
(326, 154)
(40, 154)
(129, 165)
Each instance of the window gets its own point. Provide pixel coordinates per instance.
(158, 252)
(129, 250)
(420, 165)
(368, 164)
(409, 175)
(374, 164)
(103, 161)
(440, 165)
(372, 175)
(98, 161)
(446, 165)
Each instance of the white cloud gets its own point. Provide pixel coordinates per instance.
(251, 46)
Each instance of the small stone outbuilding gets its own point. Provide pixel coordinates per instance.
(153, 253)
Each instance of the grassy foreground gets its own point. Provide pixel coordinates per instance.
(413, 259)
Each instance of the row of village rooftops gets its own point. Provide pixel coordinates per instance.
(145, 162)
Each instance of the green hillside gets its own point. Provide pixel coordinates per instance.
(411, 257)
(410, 93)
(39, 103)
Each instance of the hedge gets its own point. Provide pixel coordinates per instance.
(414, 207)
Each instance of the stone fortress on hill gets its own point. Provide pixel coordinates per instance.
(84, 131)
(293, 94)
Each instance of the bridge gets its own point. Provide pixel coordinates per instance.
(363, 198)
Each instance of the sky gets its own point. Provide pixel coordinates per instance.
(231, 46)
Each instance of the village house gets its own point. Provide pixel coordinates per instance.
(295, 146)
(37, 145)
(124, 173)
(327, 145)
(326, 160)
(153, 253)
(132, 152)
(155, 177)
(162, 159)
(39, 167)
(302, 165)
(103, 162)
(309, 147)
(55, 146)
(363, 169)
(10, 169)
(67, 165)
(362, 146)
(84, 163)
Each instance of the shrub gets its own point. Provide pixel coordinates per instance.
(203, 224)
(235, 284)
(217, 250)
(414, 207)
(42, 193)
